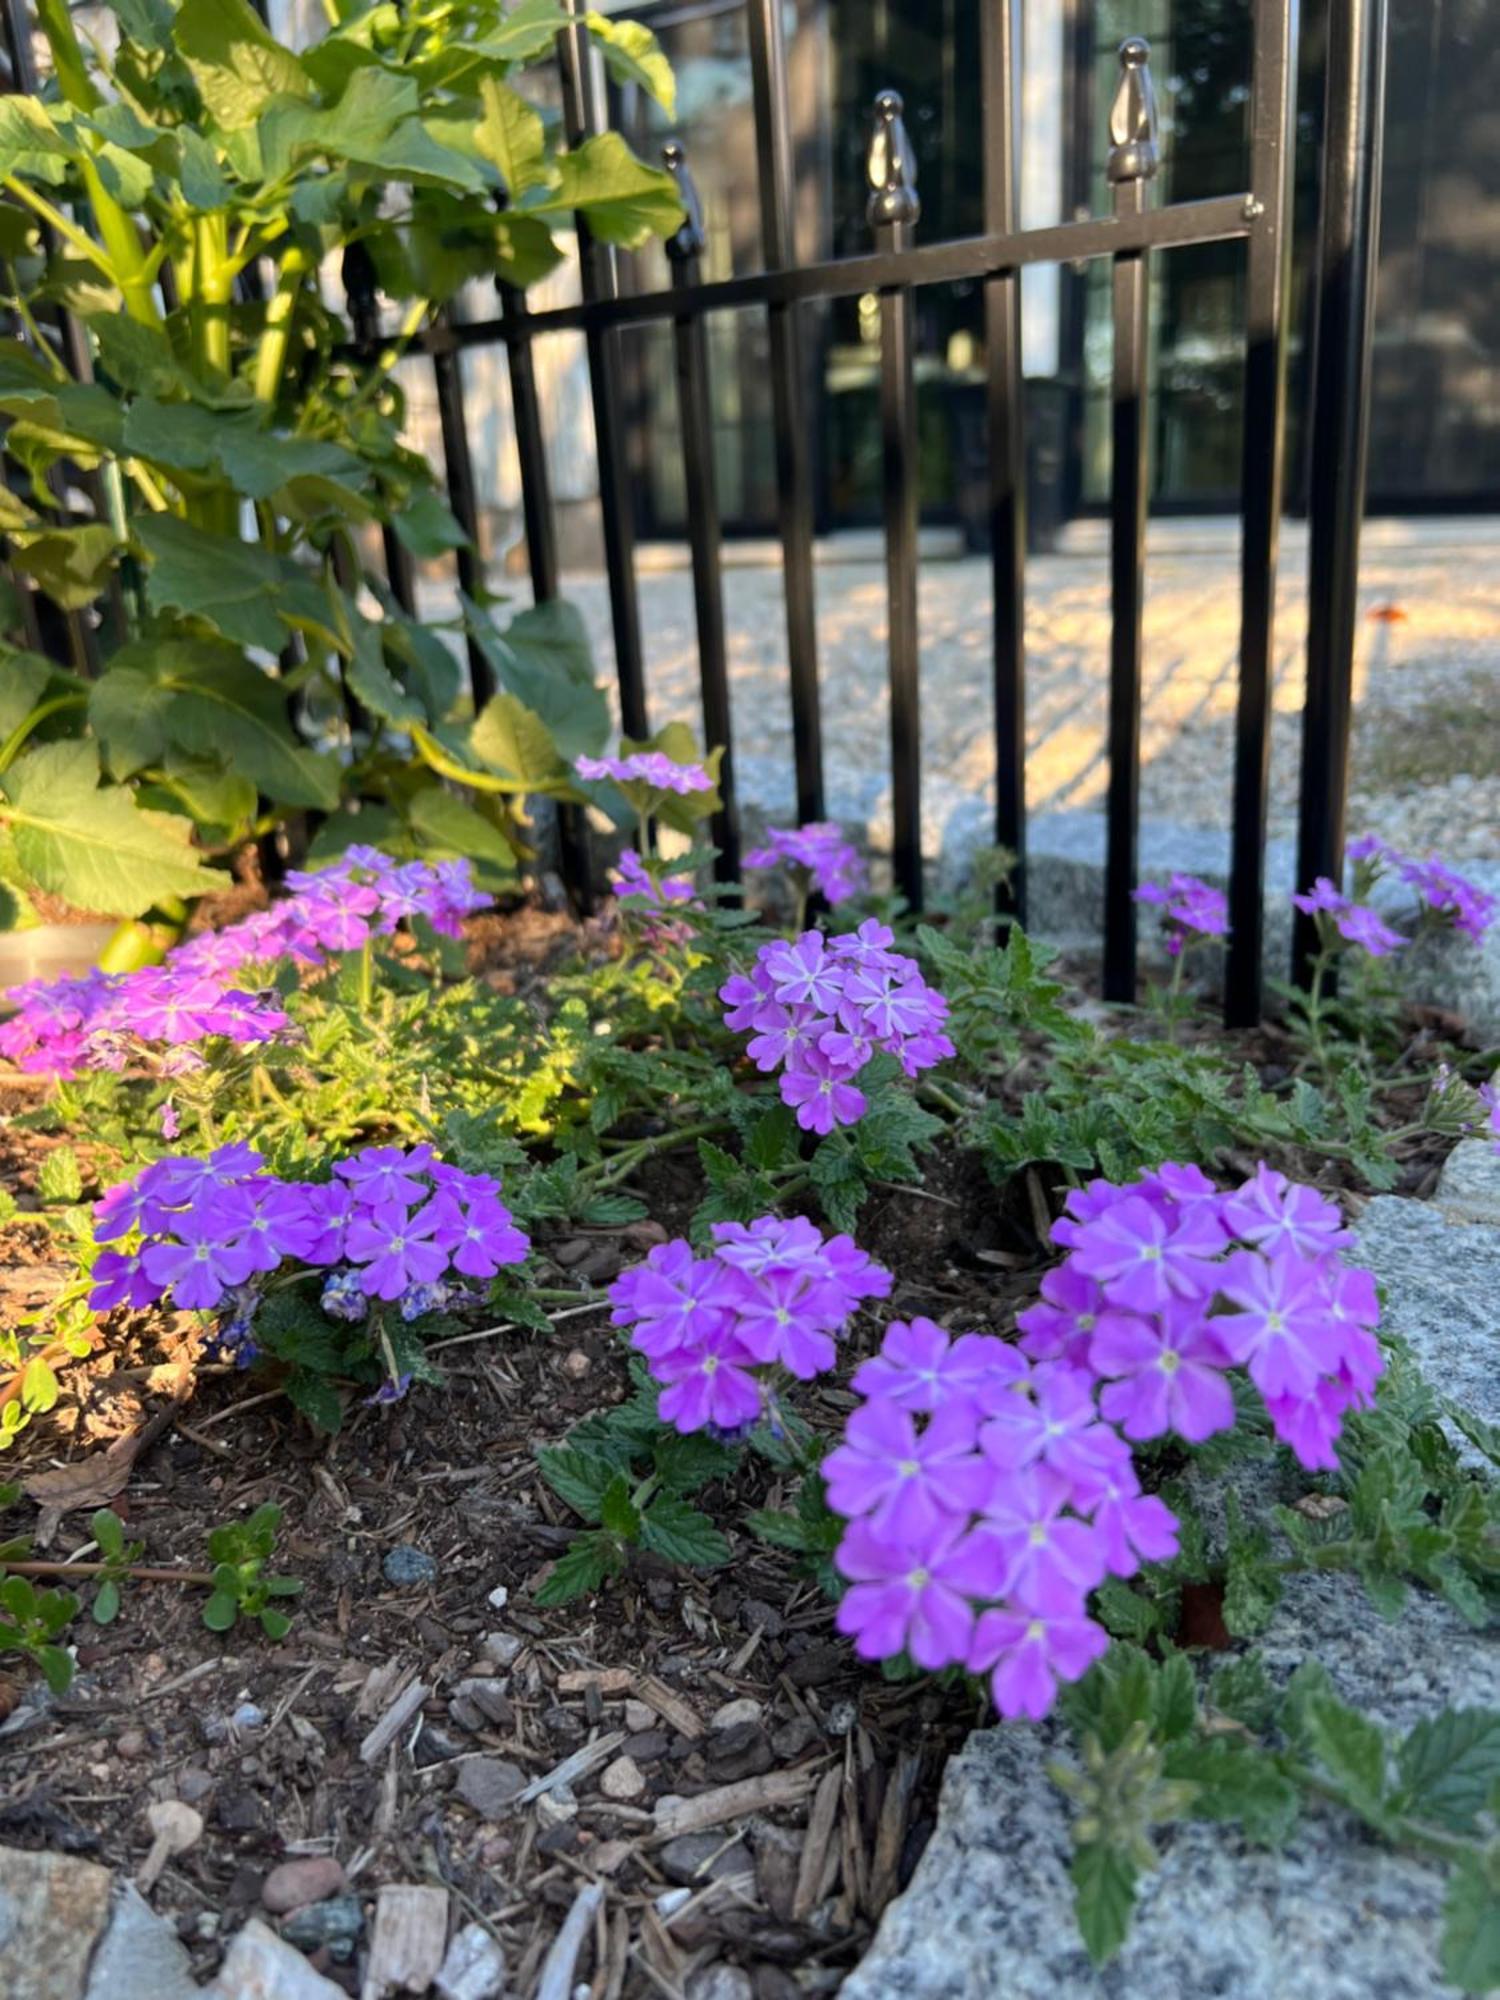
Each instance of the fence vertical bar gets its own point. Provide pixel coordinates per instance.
(1272, 145)
(541, 548)
(1354, 101)
(1132, 162)
(695, 406)
(773, 145)
(358, 274)
(581, 116)
(447, 375)
(893, 210)
(999, 48)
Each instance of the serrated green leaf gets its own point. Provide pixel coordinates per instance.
(237, 64)
(514, 742)
(624, 201)
(510, 135)
(88, 844)
(1471, 1926)
(1237, 1781)
(581, 1477)
(69, 564)
(444, 825)
(60, 1178)
(582, 1568)
(1241, 1689)
(782, 1531)
(632, 54)
(230, 583)
(686, 1461)
(1448, 1766)
(1104, 1883)
(671, 1528)
(1352, 1749)
(617, 1511)
(315, 1398)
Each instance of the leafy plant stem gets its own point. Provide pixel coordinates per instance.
(28, 723)
(1446, 1847)
(270, 355)
(624, 1164)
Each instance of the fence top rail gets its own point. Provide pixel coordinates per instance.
(1222, 218)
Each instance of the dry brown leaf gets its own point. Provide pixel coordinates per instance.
(87, 1482)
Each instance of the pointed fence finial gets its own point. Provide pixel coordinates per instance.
(891, 167)
(691, 240)
(1132, 118)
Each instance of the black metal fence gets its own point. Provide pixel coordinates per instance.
(1130, 236)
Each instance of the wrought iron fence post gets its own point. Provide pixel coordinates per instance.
(1354, 109)
(695, 407)
(1132, 163)
(893, 210)
(1000, 35)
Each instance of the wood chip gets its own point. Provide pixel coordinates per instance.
(411, 1938)
(669, 1706)
(891, 1834)
(391, 1724)
(577, 1766)
(817, 1845)
(556, 1982)
(608, 1680)
(750, 1795)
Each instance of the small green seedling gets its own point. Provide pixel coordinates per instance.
(239, 1552)
(117, 1556)
(30, 1620)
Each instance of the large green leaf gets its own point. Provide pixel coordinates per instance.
(237, 64)
(623, 200)
(632, 54)
(511, 137)
(207, 700)
(24, 679)
(230, 583)
(68, 563)
(515, 742)
(89, 844)
(529, 29)
(543, 658)
(426, 526)
(31, 146)
(445, 826)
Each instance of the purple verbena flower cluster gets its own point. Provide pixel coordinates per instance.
(1489, 1097)
(635, 884)
(98, 1020)
(832, 864)
(1169, 1283)
(819, 1008)
(1440, 888)
(394, 1224)
(653, 768)
(770, 1294)
(985, 1499)
(1190, 909)
(1355, 922)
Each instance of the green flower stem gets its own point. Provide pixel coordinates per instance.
(30, 722)
(624, 1163)
(270, 355)
(1445, 1846)
(935, 1094)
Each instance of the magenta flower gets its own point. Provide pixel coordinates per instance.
(396, 1249)
(1029, 1646)
(1133, 1527)
(1061, 1325)
(819, 1095)
(381, 1175)
(923, 1368)
(782, 1035)
(1275, 1214)
(903, 1481)
(480, 1236)
(653, 769)
(1311, 1424)
(1143, 1260)
(910, 1591)
(819, 849)
(1057, 1425)
(1281, 1331)
(120, 1279)
(1035, 1538)
(1190, 908)
(709, 1385)
(773, 1323)
(804, 974)
(1168, 1373)
(674, 1299)
(200, 1266)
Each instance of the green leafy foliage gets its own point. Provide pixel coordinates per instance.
(248, 455)
(31, 1623)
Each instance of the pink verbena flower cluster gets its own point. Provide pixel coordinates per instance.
(98, 1020)
(1441, 889)
(770, 1295)
(1169, 1283)
(985, 1499)
(818, 1009)
(832, 864)
(653, 768)
(394, 1224)
(1190, 909)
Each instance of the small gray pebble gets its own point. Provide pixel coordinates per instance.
(405, 1564)
(248, 1716)
(336, 1922)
